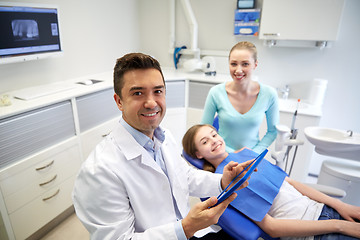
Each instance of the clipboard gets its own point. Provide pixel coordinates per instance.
(225, 194)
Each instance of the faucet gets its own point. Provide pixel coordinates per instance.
(284, 92)
(350, 132)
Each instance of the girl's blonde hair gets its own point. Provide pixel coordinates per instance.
(245, 45)
(189, 146)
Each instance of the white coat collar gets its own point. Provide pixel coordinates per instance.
(131, 149)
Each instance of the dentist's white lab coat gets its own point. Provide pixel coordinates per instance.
(122, 193)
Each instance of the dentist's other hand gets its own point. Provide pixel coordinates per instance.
(231, 170)
(203, 215)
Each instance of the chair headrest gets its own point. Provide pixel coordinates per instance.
(198, 163)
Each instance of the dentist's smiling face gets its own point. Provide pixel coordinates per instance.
(210, 145)
(143, 100)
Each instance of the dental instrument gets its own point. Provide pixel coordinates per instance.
(286, 137)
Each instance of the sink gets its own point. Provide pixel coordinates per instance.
(291, 104)
(334, 142)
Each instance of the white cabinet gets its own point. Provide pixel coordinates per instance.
(198, 92)
(39, 157)
(98, 115)
(316, 20)
(91, 137)
(175, 117)
(41, 151)
(38, 188)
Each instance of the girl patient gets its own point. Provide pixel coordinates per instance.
(281, 206)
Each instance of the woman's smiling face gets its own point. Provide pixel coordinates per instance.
(241, 64)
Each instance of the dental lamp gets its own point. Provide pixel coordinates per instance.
(205, 64)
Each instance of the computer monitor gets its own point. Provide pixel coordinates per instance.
(28, 32)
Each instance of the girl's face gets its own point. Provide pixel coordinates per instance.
(241, 64)
(210, 145)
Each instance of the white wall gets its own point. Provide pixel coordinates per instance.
(94, 34)
(340, 64)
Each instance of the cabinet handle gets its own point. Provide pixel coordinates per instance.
(272, 34)
(104, 135)
(47, 182)
(46, 166)
(48, 198)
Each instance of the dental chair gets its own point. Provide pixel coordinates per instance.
(235, 223)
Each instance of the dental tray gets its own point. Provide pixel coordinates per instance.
(225, 194)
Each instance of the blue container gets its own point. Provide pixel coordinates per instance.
(248, 15)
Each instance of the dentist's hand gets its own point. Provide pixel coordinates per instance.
(231, 170)
(203, 215)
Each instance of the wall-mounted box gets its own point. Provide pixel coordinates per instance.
(304, 20)
(246, 28)
(247, 15)
(247, 22)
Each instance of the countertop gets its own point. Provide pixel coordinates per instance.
(69, 89)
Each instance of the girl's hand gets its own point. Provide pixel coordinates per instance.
(349, 212)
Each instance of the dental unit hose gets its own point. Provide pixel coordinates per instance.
(293, 130)
(177, 55)
(293, 135)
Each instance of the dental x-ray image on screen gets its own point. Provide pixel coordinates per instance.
(25, 29)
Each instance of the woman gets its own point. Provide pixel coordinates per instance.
(291, 209)
(242, 103)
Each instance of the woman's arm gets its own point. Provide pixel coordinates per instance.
(347, 211)
(272, 119)
(298, 228)
(209, 109)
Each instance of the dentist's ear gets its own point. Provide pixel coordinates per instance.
(118, 102)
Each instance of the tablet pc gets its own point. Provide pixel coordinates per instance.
(225, 194)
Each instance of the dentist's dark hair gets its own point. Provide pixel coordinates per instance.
(130, 62)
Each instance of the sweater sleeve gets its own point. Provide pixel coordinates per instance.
(210, 107)
(272, 119)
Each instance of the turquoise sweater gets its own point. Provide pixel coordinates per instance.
(242, 130)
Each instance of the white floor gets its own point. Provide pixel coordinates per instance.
(70, 229)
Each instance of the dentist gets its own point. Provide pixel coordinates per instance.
(134, 184)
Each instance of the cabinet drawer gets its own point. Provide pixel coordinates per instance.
(35, 188)
(38, 168)
(198, 93)
(96, 108)
(25, 134)
(92, 137)
(30, 218)
(175, 94)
